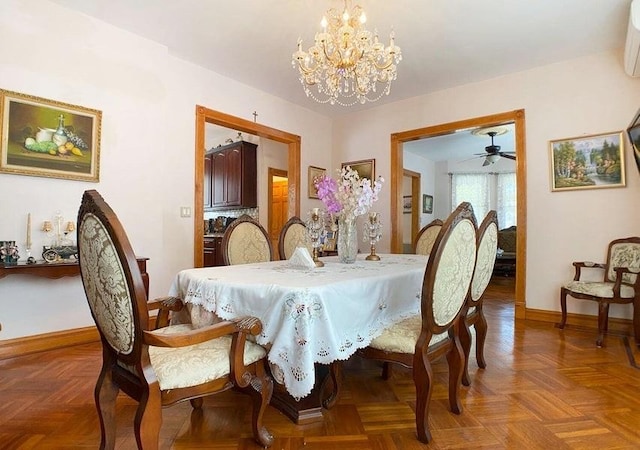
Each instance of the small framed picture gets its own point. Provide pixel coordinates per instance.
(587, 162)
(366, 168)
(406, 204)
(427, 204)
(330, 241)
(314, 174)
(48, 138)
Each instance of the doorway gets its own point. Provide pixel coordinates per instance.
(518, 118)
(205, 115)
(278, 205)
(410, 219)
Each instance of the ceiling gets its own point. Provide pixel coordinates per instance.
(445, 43)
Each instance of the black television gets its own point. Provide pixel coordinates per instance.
(633, 131)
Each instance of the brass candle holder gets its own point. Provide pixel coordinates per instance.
(372, 234)
(315, 230)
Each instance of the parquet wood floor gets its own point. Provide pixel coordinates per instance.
(543, 388)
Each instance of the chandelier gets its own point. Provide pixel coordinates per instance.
(347, 62)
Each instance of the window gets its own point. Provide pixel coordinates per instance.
(486, 191)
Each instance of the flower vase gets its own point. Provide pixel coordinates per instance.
(347, 240)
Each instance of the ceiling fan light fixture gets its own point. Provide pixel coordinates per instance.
(492, 158)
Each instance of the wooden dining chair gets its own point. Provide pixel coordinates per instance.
(162, 366)
(293, 235)
(246, 241)
(426, 237)
(435, 332)
(487, 241)
(620, 284)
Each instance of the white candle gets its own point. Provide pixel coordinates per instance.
(29, 230)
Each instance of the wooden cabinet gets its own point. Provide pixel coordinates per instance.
(233, 176)
(206, 182)
(213, 252)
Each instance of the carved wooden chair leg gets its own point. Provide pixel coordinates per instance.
(603, 322)
(563, 307)
(455, 360)
(465, 341)
(260, 388)
(335, 372)
(196, 403)
(423, 380)
(481, 336)
(105, 394)
(387, 369)
(148, 419)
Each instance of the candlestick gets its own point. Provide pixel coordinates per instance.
(372, 234)
(28, 230)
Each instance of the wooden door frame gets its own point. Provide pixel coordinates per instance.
(517, 117)
(205, 115)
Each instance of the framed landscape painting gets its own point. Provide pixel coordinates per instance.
(633, 131)
(587, 162)
(366, 168)
(47, 138)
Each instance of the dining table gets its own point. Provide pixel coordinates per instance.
(311, 316)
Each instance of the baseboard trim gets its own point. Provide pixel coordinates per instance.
(11, 348)
(583, 321)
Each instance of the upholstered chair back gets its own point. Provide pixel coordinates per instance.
(449, 270)
(293, 235)
(246, 241)
(623, 253)
(114, 306)
(426, 237)
(486, 258)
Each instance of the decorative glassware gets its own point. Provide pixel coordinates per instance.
(9, 253)
(316, 232)
(372, 234)
(347, 239)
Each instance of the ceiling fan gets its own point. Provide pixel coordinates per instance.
(492, 152)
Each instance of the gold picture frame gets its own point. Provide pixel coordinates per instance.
(587, 162)
(47, 138)
(314, 173)
(366, 168)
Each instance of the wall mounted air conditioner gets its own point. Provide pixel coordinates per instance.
(632, 47)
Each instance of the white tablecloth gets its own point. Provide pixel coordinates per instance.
(314, 315)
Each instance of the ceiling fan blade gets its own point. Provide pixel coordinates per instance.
(486, 162)
(505, 155)
(469, 159)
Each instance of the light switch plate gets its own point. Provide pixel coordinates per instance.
(185, 211)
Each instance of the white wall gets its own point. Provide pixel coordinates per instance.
(572, 98)
(148, 100)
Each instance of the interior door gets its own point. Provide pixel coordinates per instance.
(279, 209)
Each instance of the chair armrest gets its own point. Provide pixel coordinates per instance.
(619, 272)
(165, 305)
(587, 264)
(244, 325)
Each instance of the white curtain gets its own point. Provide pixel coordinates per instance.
(506, 201)
(473, 188)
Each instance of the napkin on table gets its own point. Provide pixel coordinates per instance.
(301, 259)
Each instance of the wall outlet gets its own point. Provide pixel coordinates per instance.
(185, 211)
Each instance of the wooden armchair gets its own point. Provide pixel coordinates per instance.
(487, 239)
(426, 237)
(417, 341)
(246, 241)
(621, 284)
(167, 365)
(293, 234)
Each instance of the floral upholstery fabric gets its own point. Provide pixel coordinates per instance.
(454, 272)
(427, 239)
(296, 236)
(105, 285)
(624, 255)
(205, 362)
(485, 261)
(247, 244)
(402, 337)
(599, 289)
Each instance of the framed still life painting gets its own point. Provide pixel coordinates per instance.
(47, 138)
